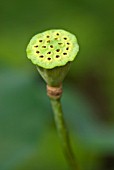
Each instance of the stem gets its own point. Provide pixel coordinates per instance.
(63, 133)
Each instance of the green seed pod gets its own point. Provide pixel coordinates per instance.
(52, 52)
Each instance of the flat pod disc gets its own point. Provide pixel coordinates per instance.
(52, 48)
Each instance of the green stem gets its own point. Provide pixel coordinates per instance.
(63, 133)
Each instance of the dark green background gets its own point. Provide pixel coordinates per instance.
(28, 139)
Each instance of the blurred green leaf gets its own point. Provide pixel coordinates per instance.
(93, 138)
(23, 117)
(94, 134)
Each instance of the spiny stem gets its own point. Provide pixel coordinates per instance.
(63, 133)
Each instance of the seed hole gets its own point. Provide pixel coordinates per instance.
(37, 52)
(67, 48)
(51, 46)
(49, 52)
(64, 53)
(57, 56)
(56, 38)
(47, 36)
(36, 46)
(58, 50)
(48, 41)
(40, 40)
(49, 58)
(59, 43)
(43, 46)
(41, 56)
(65, 38)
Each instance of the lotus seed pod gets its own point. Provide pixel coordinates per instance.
(52, 52)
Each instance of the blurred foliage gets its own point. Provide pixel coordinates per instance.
(27, 135)
(24, 119)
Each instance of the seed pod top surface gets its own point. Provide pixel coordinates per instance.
(52, 48)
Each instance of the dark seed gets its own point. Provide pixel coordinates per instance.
(49, 58)
(36, 46)
(43, 46)
(37, 52)
(57, 56)
(58, 50)
(64, 53)
(49, 52)
(41, 56)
